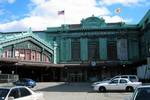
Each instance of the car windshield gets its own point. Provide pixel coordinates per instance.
(143, 94)
(3, 93)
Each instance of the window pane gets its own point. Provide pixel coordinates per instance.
(14, 93)
(93, 49)
(123, 81)
(112, 50)
(75, 49)
(114, 81)
(24, 92)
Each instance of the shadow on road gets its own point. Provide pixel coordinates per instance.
(68, 87)
(71, 87)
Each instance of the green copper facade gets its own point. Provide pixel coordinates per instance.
(84, 49)
(93, 43)
(103, 48)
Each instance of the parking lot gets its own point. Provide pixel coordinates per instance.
(76, 91)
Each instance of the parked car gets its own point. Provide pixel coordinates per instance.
(132, 78)
(141, 93)
(25, 82)
(117, 84)
(19, 93)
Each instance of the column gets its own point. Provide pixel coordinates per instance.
(103, 48)
(41, 56)
(62, 50)
(1, 51)
(133, 49)
(55, 52)
(68, 49)
(13, 51)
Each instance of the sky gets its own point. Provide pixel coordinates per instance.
(20, 15)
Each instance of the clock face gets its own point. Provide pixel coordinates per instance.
(93, 63)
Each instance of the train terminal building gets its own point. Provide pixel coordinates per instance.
(88, 51)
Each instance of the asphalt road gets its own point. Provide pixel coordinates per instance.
(76, 91)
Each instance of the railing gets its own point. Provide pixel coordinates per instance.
(7, 78)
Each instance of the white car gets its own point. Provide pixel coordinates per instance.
(132, 78)
(117, 84)
(19, 93)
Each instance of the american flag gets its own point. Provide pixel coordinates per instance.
(62, 12)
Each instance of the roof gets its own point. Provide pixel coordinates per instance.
(144, 86)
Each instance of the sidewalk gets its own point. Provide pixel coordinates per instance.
(5, 84)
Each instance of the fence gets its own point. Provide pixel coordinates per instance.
(6, 78)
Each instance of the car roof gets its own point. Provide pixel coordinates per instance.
(120, 79)
(144, 86)
(125, 75)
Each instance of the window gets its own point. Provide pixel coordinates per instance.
(14, 93)
(75, 49)
(133, 78)
(33, 55)
(7, 54)
(112, 50)
(93, 49)
(4, 92)
(114, 82)
(24, 92)
(123, 81)
(124, 77)
(38, 56)
(27, 54)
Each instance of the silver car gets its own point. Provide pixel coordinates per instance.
(117, 84)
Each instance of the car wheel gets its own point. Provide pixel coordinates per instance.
(102, 89)
(129, 89)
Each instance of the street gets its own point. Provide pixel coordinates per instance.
(76, 91)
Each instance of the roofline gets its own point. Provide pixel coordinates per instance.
(145, 16)
(20, 32)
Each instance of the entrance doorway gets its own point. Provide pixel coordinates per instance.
(75, 77)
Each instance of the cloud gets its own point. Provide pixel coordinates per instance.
(114, 19)
(124, 2)
(44, 13)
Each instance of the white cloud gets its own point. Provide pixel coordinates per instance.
(44, 13)
(123, 2)
(113, 19)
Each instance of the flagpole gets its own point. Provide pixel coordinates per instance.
(64, 15)
(62, 12)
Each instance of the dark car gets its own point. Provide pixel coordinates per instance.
(141, 93)
(25, 82)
